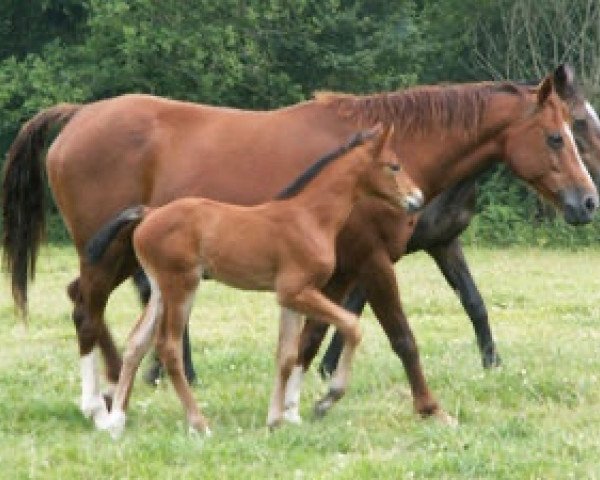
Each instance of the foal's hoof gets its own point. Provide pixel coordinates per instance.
(445, 419)
(292, 415)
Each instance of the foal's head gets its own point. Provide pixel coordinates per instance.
(541, 149)
(385, 177)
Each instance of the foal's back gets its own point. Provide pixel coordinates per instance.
(238, 245)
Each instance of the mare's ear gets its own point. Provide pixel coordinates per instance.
(564, 81)
(545, 89)
(382, 138)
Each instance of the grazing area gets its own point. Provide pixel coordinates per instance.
(538, 416)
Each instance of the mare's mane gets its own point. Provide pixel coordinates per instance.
(311, 172)
(420, 109)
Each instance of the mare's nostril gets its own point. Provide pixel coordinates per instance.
(590, 204)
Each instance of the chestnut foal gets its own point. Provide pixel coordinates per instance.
(286, 245)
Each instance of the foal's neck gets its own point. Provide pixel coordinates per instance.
(330, 196)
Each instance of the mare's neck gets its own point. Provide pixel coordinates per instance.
(444, 157)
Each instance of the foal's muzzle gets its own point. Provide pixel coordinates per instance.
(414, 201)
(579, 206)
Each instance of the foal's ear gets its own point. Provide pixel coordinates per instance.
(545, 89)
(382, 137)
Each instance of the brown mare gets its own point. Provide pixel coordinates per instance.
(441, 223)
(286, 245)
(138, 149)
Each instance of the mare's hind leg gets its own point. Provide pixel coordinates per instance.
(139, 342)
(90, 294)
(452, 263)
(155, 370)
(290, 325)
(91, 331)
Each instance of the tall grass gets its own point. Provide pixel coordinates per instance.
(538, 416)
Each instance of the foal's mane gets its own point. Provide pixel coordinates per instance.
(311, 172)
(420, 109)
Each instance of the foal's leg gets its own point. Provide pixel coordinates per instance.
(290, 325)
(355, 303)
(452, 263)
(178, 294)
(311, 301)
(155, 370)
(139, 342)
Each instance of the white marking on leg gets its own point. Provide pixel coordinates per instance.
(92, 403)
(138, 344)
(291, 401)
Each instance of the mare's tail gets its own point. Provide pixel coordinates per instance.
(100, 242)
(23, 206)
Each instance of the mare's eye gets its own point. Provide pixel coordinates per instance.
(394, 167)
(580, 124)
(555, 141)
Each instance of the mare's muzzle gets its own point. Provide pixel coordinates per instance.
(579, 205)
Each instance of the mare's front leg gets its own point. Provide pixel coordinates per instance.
(451, 261)
(382, 293)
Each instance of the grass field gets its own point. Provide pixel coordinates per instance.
(538, 416)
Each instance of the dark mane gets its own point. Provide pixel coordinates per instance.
(419, 109)
(311, 172)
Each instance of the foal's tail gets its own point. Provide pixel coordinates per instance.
(100, 242)
(23, 206)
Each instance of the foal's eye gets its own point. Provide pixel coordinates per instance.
(394, 167)
(555, 141)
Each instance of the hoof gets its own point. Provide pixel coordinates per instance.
(322, 406)
(205, 431)
(491, 360)
(199, 425)
(93, 406)
(154, 374)
(113, 423)
(445, 419)
(292, 415)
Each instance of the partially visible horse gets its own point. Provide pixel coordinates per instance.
(448, 215)
(286, 245)
(139, 149)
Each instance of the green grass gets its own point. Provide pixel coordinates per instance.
(536, 417)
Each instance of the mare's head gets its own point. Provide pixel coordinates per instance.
(584, 119)
(540, 148)
(385, 178)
